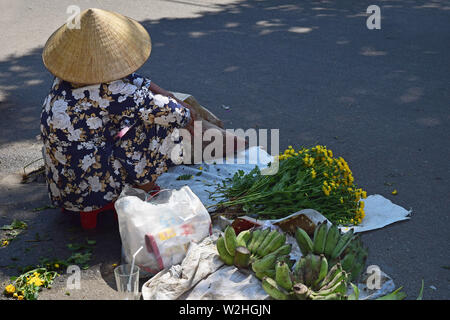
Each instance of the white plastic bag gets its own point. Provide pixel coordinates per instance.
(164, 225)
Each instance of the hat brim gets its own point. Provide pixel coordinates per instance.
(107, 46)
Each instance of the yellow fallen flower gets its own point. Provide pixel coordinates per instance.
(10, 289)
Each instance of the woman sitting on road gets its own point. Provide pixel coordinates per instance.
(104, 126)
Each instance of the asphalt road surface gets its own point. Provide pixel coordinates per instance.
(378, 98)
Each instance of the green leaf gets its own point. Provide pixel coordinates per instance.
(91, 242)
(421, 292)
(395, 295)
(185, 177)
(43, 208)
(355, 294)
(16, 224)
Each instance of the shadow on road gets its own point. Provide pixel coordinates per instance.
(311, 68)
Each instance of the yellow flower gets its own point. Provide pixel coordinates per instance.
(20, 298)
(56, 266)
(313, 173)
(364, 195)
(5, 243)
(394, 192)
(10, 289)
(200, 168)
(326, 190)
(114, 265)
(342, 201)
(36, 281)
(15, 295)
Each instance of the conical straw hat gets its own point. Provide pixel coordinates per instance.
(107, 46)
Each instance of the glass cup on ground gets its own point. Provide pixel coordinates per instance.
(129, 290)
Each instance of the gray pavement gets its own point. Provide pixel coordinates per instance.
(379, 98)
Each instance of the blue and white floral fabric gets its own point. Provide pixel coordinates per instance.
(99, 138)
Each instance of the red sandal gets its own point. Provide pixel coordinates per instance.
(88, 219)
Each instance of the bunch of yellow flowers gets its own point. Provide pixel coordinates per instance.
(333, 177)
(27, 285)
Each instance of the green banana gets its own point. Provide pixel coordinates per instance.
(283, 250)
(342, 244)
(272, 234)
(320, 236)
(242, 238)
(347, 262)
(230, 240)
(336, 269)
(304, 241)
(315, 264)
(308, 272)
(286, 259)
(301, 291)
(333, 296)
(341, 276)
(356, 271)
(266, 273)
(282, 276)
(298, 270)
(333, 236)
(274, 244)
(255, 235)
(274, 290)
(340, 287)
(223, 253)
(260, 239)
(265, 263)
(241, 257)
(323, 270)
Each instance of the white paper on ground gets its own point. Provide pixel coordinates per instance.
(379, 210)
(170, 284)
(228, 283)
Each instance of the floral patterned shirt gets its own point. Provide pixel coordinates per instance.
(99, 138)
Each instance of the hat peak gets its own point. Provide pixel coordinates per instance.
(92, 13)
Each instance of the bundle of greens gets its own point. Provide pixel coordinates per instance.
(307, 178)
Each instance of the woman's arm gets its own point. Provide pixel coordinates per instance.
(158, 90)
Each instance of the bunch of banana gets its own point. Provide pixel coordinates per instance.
(232, 250)
(334, 245)
(268, 247)
(260, 248)
(264, 242)
(354, 258)
(311, 279)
